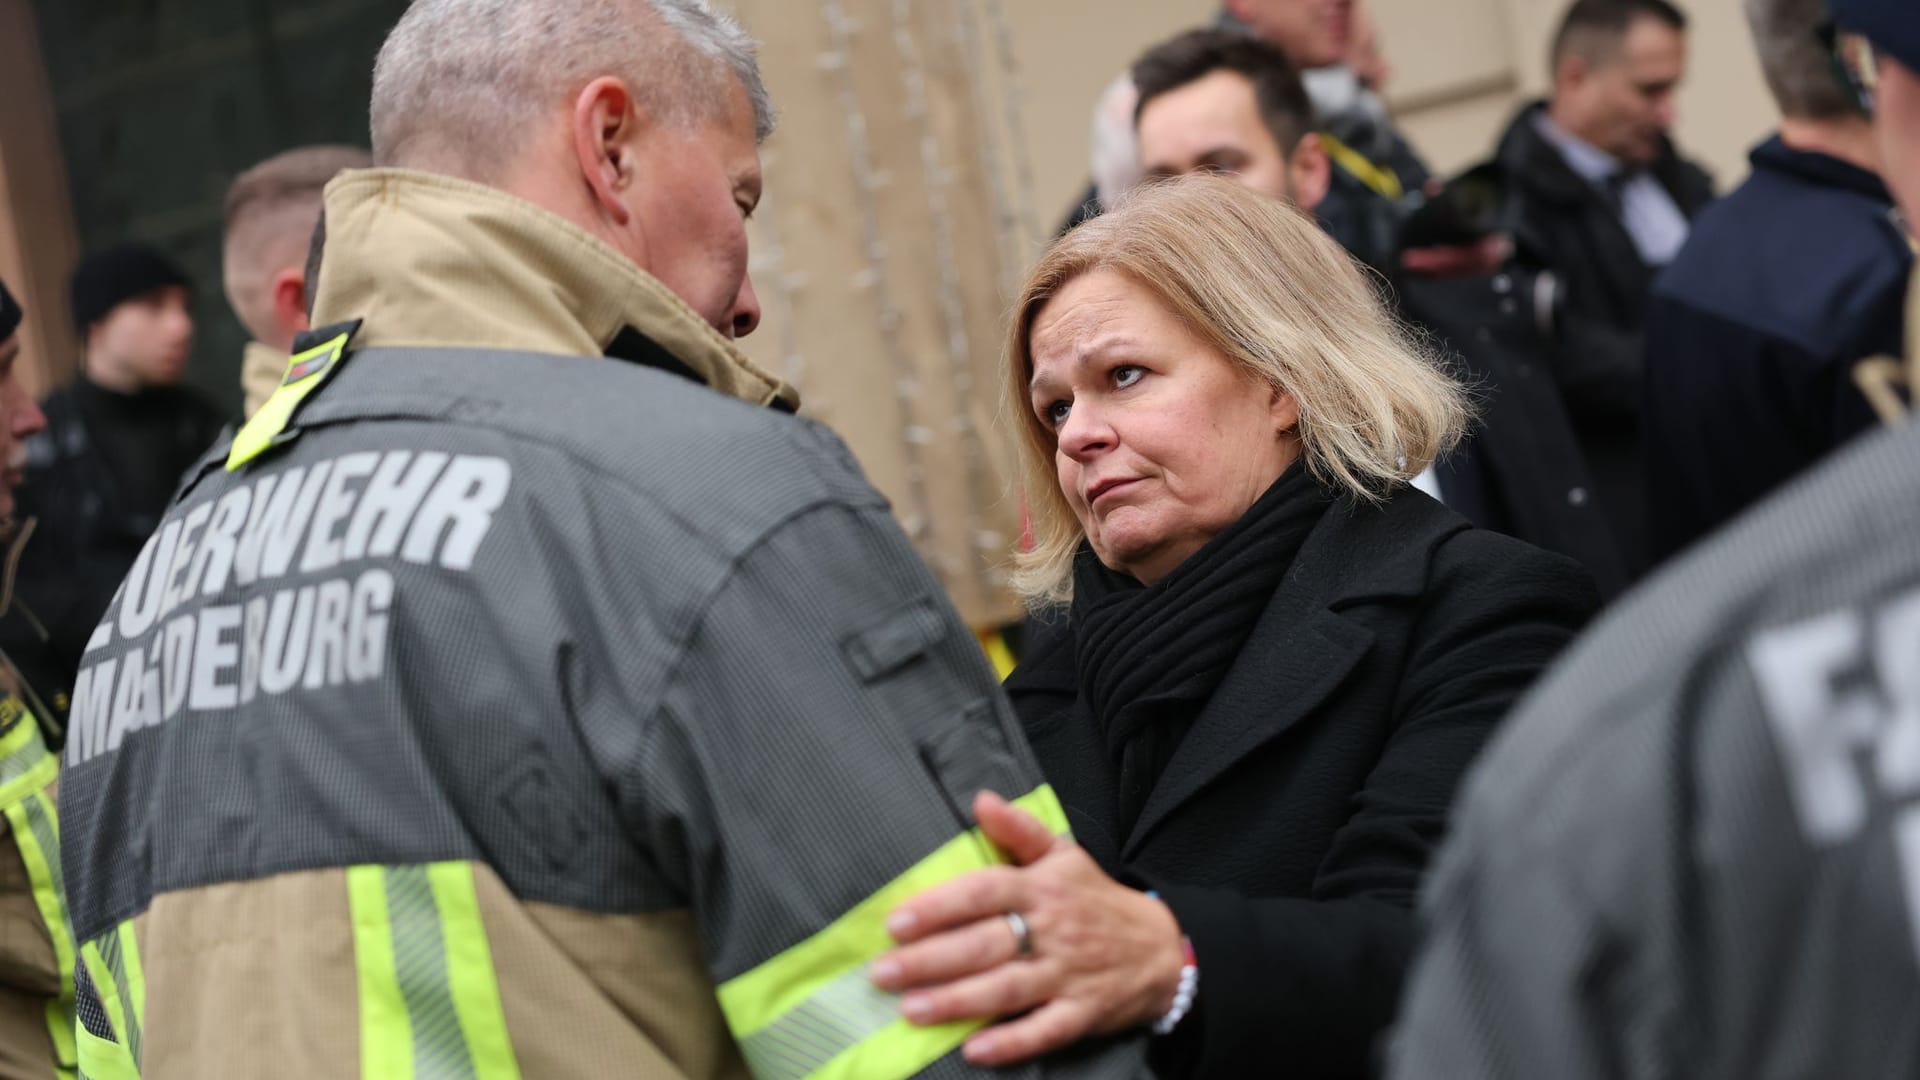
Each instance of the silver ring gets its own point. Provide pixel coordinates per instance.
(1022, 934)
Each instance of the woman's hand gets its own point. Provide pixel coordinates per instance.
(1103, 957)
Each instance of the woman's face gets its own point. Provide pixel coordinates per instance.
(1160, 440)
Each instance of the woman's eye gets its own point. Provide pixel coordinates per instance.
(1126, 375)
(1056, 413)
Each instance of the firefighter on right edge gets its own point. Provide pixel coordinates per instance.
(523, 691)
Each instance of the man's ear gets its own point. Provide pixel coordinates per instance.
(287, 291)
(1309, 173)
(606, 125)
(1570, 73)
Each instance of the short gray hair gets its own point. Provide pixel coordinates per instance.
(1797, 68)
(459, 83)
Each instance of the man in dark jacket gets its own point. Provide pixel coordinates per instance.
(1212, 99)
(116, 441)
(1783, 286)
(1602, 201)
(1372, 181)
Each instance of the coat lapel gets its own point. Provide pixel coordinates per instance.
(1303, 648)
(1297, 656)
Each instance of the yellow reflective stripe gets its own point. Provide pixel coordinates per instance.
(476, 987)
(119, 959)
(135, 980)
(386, 1041)
(305, 372)
(25, 764)
(104, 1059)
(429, 996)
(106, 984)
(1382, 180)
(994, 644)
(36, 833)
(810, 1011)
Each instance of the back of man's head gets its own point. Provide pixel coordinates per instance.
(271, 210)
(1285, 109)
(1595, 30)
(461, 85)
(1798, 69)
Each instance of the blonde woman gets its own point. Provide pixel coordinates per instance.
(1264, 662)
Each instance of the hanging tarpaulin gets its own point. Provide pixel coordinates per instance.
(898, 218)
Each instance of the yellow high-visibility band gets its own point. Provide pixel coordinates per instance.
(36, 834)
(810, 1011)
(25, 764)
(1382, 180)
(429, 995)
(104, 1059)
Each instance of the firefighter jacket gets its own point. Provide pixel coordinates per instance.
(518, 695)
(36, 944)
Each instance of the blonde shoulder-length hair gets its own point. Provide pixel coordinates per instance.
(1261, 283)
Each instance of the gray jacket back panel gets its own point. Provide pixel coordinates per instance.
(634, 645)
(1695, 850)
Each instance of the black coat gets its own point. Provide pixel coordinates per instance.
(1291, 828)
(1564, 225)
(1783, 286)
(97, 481)
(1521, 470)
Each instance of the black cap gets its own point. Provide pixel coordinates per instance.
(10, 313)
(107, 279)
(1892, 25)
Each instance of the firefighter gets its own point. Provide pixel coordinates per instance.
(36, 952)
(524, 691)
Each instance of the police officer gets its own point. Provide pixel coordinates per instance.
(36, 952)
(524, 691)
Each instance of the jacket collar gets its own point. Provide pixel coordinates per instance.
(1813, 167)
(1532, 161)
(1304, 646)
(433, 261)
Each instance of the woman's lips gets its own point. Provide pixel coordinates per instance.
(1107, 487)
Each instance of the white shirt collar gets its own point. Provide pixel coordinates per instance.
(1593, 164)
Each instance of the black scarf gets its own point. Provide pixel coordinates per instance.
(1150, 657)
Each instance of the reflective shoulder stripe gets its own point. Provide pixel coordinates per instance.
(305, 373)
(36, 834)
(811, 1011)
(429, 996)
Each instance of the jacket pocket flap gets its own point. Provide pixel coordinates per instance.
(895, 641)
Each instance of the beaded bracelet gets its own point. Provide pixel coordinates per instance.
(1183, 997)
(1189, 987)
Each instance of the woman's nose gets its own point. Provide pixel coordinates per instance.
(1086, 432)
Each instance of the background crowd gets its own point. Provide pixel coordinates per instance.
(1452, 598)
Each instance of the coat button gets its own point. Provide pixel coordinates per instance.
(1502, 284)
(1577, 496)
